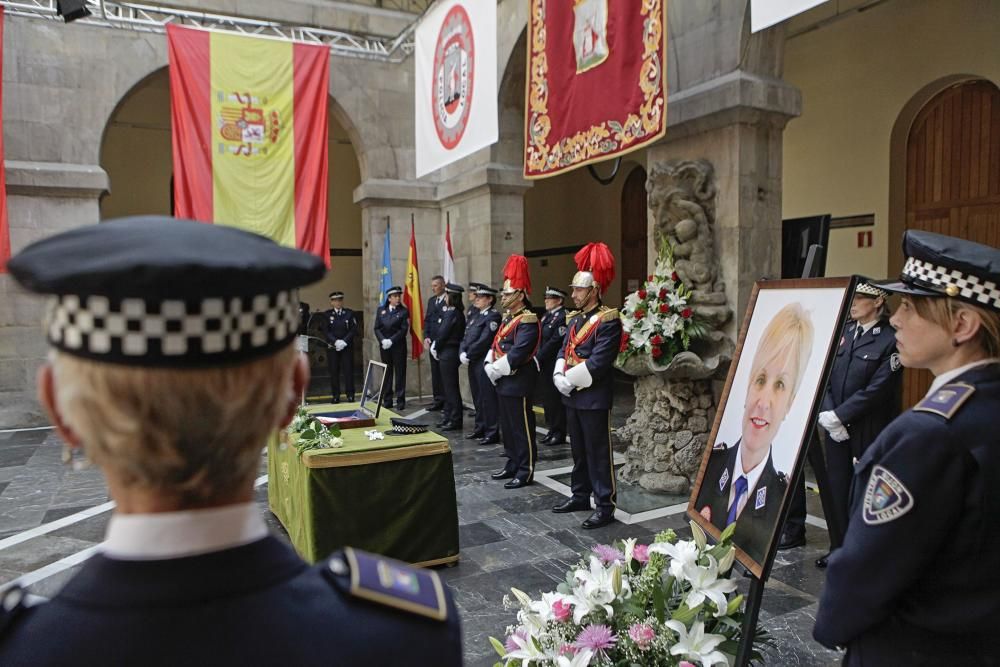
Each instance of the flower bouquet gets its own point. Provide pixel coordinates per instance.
(311, 433)
(666, 603)
(658, 321)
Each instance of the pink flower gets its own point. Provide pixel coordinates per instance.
(607, 553)
(562, 611)
(685, 663)
(567, 650)
(596, 638)
(641, 553)
(642, 634)
(509, 643)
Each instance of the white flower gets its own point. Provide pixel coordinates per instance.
(595, 589)
(543, 608)
(705, 583)
(580, 659)
(629, 549)
(683, 554)
(528, 652)
(696, 644)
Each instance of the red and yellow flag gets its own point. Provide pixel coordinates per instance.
(4, 223)
(250, 134)
(412, 300)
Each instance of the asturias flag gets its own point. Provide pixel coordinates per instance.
(385, 273)
(249, 120)
(412, 300)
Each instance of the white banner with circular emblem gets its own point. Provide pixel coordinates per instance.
(455, 54)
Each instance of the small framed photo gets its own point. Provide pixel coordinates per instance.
(767, 413)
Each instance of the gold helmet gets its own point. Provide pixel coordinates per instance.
(596, 267)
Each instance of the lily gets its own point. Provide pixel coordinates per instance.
(705, 583)
(683, 555)
(528, 652)
(697, 644)
(580, 659)
(595, 590)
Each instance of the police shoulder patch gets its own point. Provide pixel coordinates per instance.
(894, 363)
(394, 584)
(494, 325)
(562, 331)
(947, 400)
(886, 498)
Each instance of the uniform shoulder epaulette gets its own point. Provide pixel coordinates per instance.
(947, 400)
(609, 314)
(529, 318)
(389, 582)
(570, 314)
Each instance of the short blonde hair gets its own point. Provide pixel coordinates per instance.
(195, 434)
(790, 332)
(942, 310)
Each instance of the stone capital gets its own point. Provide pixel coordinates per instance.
(55, 179)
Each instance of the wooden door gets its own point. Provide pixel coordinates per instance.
(953, 176)
(634, 229)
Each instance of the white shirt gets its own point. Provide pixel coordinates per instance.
(752, 478)
(165, 535)
(948, 376)
(865, 328)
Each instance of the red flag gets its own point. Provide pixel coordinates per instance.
(613, 56)
(4, 223)
(412, 300)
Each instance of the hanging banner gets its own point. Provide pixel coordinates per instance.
(249, 119)
(596, 81)
(765, 13)
(4, 222)
(455, 54)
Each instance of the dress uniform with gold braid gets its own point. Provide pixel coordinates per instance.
(392, 323)
(207, 586)
(584, 375)
(481, 327)
(553, 333)
(915, 582)
(511, 366)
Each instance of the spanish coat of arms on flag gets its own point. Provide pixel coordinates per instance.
(596, 81)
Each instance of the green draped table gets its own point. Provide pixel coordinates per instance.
(394, 497)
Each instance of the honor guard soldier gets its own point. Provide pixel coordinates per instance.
(583, 375)
(511, 366)
(339, 326)
(448, 336)
(480, 329)
(862, 396)
(432, 313)
(172, 362)
(391, 326)
(553, 333)
(915, 580)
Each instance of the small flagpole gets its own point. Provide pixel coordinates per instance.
(420, 370)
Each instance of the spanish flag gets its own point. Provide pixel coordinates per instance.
(249, 134)
(411, 298)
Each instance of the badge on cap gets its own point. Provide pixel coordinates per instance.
(724, 479)
(886, 498)
(761, 498)
(894, 363)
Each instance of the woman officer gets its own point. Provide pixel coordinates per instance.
(915, 580)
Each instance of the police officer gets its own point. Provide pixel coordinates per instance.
(391, 326)
(583, 375)
(339, 326)
(432, 313)
(862, 396)
(188, 567)
(511, 366)
(481, 328)
(553, 332)
(915, 580)
(471, 311)
(444, 349)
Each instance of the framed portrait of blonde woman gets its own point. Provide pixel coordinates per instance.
(766, 413)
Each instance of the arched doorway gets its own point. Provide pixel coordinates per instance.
(953, 176)
(634, 231)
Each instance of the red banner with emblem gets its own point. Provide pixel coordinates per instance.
(596, 81)
(4, 223)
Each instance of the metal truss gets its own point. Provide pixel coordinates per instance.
(154, 19)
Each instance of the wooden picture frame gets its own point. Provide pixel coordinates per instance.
(775, 330)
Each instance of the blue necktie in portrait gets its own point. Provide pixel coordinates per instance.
(741, 490)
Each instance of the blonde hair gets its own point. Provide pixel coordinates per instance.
(942, 310)
(790, 332)
(195, 434)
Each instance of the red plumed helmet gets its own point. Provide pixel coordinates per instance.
(596, 260)
(515, 273)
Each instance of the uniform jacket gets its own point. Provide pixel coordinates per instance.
(479, 333)
(917, 571)
(303, 318)
(756, 524)
(339, 327)
(393, 325)
(432, 312)
(470, 313)
(450, 329)
(257, 604)
(864, 383)
(593, 338)
(553, 332)
(517, 340)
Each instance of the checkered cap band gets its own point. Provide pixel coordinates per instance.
(172, 332)
(941, 279)
(870, 290)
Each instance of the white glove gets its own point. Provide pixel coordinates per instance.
(564, 386)
(840, 434)
(829, 420)
(386, 343)
(339, 345)
(464, 358)
(492, 373)
(434, 350)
